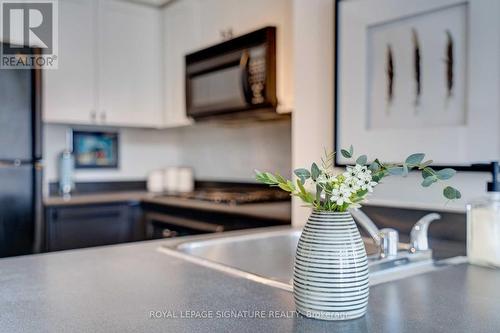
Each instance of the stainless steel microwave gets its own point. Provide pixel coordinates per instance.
(233, 78)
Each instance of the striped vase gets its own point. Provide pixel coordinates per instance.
(330, 279)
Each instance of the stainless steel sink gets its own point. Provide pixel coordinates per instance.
(266, 256)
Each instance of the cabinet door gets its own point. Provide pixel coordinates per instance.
(130, 80)
(217, 19)
(70, 90)
(181, 31)
(84, 226)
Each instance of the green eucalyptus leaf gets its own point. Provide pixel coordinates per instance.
(345, 153)
(415, 159)
(315, 171)
(396, 171)
(451, 193)
(445, 174)
(362, 160)
(427, 172)
(351, 150)
(429, 181)
(374, 167)
(302, 173)
(425, 164)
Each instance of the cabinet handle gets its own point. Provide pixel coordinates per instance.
(93, 115)
(55, 215)
(103, 115)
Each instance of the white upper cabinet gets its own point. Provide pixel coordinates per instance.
(69, 91)
(130, 64)
(110, 65)
(181, 35)
(122, 63)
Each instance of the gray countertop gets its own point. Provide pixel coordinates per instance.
(115, 288)
(275, 210)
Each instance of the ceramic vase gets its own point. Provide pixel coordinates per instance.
(331, 268)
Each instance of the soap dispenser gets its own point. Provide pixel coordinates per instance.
(483, 225)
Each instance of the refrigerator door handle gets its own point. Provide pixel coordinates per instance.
(39, 231)
(37, 107)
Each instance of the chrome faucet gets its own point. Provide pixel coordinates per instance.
(366, 223)
(387, 239)
(419, 240)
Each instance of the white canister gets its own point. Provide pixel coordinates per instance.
(185, 180)
(155, 181)
(170, 180)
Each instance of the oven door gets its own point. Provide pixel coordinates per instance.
(232, 82)
(160, 225)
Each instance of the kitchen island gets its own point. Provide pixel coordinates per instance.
(136, 288)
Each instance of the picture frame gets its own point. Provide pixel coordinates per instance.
(462, 143)
(95, 149)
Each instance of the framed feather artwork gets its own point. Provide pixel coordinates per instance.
(409, 76)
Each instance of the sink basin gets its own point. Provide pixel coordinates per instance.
(266, 255)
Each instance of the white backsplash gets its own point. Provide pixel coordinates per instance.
(215, 151)
(140, 151)
(229, 152)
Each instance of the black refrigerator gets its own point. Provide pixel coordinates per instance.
(20, 161)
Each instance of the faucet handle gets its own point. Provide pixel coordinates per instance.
(418, 235)
(389, 242)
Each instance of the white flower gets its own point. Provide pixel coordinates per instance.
(322, 179)
(341, 195)
(350, 173)
(352, 184)
(362, 171)
(367, 184)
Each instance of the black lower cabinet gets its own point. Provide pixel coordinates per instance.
(163, 221)
(72, 227)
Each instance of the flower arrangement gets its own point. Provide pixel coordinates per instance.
(322, 189)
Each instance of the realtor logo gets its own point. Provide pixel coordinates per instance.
(29, 34)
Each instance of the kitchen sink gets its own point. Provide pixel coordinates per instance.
(266, 255)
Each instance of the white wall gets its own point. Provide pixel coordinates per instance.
(216, 152)
(312, 128)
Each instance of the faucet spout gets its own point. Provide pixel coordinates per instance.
(418, 236)
(367, 224)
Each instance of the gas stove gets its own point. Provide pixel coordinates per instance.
(232, 195)
(237, 196)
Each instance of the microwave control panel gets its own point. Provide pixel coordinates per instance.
(257, 74)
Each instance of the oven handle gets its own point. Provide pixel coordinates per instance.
(245, 85)
(183, 222)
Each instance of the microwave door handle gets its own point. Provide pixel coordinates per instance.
(247, 91)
